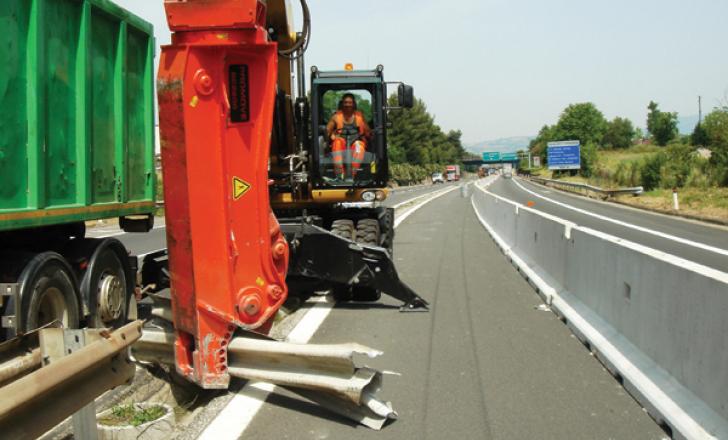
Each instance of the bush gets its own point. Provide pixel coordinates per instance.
(678, 165)
(719, 166)
(627, 173)
(651, 171)
(589, 159)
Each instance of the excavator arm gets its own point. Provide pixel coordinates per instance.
(227, 256)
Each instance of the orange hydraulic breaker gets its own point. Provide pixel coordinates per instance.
(227, 256)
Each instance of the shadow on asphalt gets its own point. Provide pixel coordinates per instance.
(364, 306)
(302, 406)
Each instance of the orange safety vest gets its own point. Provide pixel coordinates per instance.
(358, 121)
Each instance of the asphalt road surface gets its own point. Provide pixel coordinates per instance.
(484, 363)
(695, 241)
(401, 194)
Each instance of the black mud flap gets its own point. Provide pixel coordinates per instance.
(320, 255)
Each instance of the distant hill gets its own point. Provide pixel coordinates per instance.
(503, 145)
(685, 124)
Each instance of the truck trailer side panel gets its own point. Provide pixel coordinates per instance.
(76, 131)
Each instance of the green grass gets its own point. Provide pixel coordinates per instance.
(699, 198)
(610, 159)
(124, 415)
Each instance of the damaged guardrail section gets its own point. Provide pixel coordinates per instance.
(656, 321)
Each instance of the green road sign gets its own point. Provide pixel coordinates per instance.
(509, 157)
(491, 156)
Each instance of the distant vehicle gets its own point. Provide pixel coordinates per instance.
(507, 170)
(437, 178)
(453, 173)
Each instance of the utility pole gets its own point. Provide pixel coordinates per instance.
(700, 109)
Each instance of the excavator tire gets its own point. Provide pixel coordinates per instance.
(344, 228)
(342, 293)
(367, 232)
(365, 294)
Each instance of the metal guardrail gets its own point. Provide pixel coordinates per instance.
(607, 192)
(37, 401)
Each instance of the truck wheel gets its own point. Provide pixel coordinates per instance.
(48, 293)
(344, 228)
(107, 290)
(367, 231)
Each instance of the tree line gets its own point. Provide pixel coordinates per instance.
(417, 146)
(677, 163)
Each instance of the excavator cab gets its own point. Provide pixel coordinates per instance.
(362, 162)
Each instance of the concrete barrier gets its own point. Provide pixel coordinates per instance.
(658, 322)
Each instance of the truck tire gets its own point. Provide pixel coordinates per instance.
(49, 293)
(106, 281)
(344, 228)
(368, 232)
(108, 290)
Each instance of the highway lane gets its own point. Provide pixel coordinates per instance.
(695, 238)
(485, 363)
(402, 194)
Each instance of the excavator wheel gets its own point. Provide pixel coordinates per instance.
(343, 228)
(342, 293)
(367, 232)
(365, 294)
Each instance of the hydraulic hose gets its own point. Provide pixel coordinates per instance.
(293, 52)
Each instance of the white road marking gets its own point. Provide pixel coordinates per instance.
(237, 415)
(677, 239)
(411, 210)
(234, 419)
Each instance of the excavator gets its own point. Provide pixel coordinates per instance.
(322, 204)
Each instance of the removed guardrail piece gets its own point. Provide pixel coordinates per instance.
(324, 374)
(40, 400)
(607, 192)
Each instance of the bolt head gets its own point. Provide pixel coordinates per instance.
(275, 291)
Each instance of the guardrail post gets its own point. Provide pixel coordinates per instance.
(57, 343)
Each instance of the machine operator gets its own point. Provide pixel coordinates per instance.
(347, 130)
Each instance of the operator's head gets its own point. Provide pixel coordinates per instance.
(347, 103)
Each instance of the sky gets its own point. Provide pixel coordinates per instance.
(502, 68)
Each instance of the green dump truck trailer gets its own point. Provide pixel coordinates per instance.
(76, 144)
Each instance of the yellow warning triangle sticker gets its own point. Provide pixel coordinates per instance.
(240, 187)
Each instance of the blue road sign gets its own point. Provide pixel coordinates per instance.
(491, 156)
(564, 155)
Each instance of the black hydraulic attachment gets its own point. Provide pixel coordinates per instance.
(319, 255)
